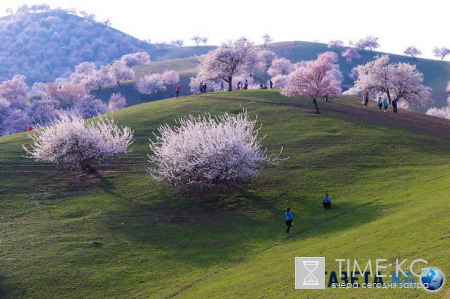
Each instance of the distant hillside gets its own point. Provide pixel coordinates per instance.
(45, 45)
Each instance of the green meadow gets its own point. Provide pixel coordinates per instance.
(119, 234)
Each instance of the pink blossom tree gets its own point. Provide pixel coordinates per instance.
(350, 54)
(150, 84)
(171, 77)
(315, 78)
(412, 51)
(207, 154)
(228, 60)
(397, 81)
(72, 142)
(280, 66)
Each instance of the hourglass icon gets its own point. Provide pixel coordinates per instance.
(310, 279)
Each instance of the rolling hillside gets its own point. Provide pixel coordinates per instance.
(118, 234)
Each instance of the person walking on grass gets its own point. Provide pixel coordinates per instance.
(394, 105)
(380, 103)
(385, 105)
(365, 99)
(177, 90)
(289, 219)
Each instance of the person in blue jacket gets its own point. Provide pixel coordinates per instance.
(326, 201)
(289, 219)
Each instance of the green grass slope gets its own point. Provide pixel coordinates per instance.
(118, 234)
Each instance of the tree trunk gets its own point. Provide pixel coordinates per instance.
(315, 105)
(230, 83)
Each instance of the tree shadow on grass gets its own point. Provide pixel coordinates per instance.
(210, 235)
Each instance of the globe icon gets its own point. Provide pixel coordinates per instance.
(432, 279)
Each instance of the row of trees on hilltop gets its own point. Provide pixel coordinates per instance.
(313, 79)
(370, 43)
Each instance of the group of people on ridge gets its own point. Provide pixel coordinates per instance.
(381, 103)
(326, 202)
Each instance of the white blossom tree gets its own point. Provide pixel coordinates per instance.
(397, 81)
(150, 84)
(315, 78)
(228, 60)
(279, 81)
(14, 89)
(171, 77)
(116, 101)
(280, 66)
(133, 59)
(73, 142)
(119, 71)
(202, 154)
(101, 77)
(265, 59)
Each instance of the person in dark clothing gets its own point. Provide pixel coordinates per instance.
(177, 90)
(380, 103)
(394, 105)
(326, 201)
(270, 84)
(289, 219)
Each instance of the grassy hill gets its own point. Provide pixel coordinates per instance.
(118, 234)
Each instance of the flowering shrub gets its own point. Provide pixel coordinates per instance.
(204, 153)
(73, 142)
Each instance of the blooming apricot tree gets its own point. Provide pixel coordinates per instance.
(394, 80)
(204, 153)
(150, 84)
(229, 60)
(315, 78)
(171, 77)
(75, 143)
(280, 66)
